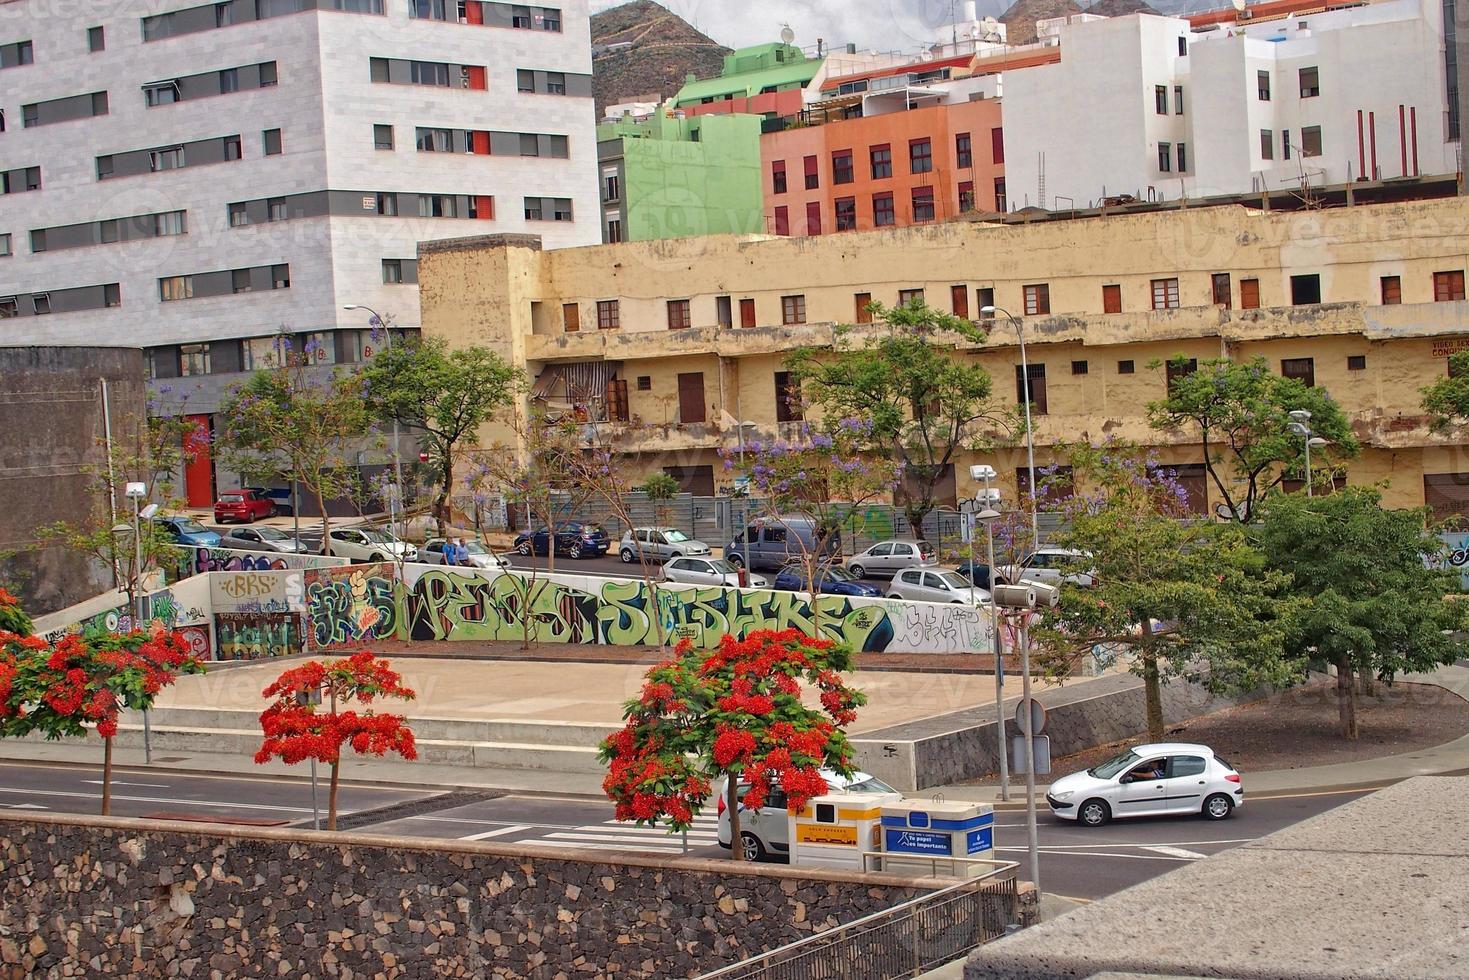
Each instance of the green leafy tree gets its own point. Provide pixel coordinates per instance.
(660, 489)
(443, 395)
(1447, 400)
(926, 407)
(296, 422)
(1241, 414)
(736, 713)
(1179, 599)
(1369, 605)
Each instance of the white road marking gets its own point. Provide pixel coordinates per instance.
(1100, 854)
(155, 799)
(1147, 846)
(656, 837)
(513, 828)
(119, 782)
(1177, 852)
(24, 806)
(590, 845)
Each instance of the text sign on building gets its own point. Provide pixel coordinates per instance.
(916, 842)
(821, 834)
(982, 839)
(1451, 345)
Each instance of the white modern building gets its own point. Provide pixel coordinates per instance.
(1162, 108)
(195, 179)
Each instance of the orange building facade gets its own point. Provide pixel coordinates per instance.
(893, 170)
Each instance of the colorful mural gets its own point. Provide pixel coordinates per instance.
(168, 607)
(258, 592)
(352, 604)
(443, 605)
(193, 561)
(1456, 555)
(257, 636)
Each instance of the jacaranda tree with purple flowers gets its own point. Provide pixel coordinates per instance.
(1174, 597)
(820, 475)
(296, 421)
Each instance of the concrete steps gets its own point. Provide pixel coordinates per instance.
(486, 744)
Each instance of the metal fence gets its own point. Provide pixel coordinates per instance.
(904, 941)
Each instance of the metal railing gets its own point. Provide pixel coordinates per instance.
(906, 940)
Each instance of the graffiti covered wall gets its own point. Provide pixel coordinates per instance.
(258, 592)
(444, 605)
(194, 561)
(1456, 555)
(184, 607)
(257, 636)
(353, 604)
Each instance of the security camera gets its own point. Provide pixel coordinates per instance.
(1047, 596)
(1014, 596)
(980, 473)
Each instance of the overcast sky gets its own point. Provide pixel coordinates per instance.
(884, 25)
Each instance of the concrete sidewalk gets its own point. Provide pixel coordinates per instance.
(1450, 758)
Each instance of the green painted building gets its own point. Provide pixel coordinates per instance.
(764, 80)
(674, 177)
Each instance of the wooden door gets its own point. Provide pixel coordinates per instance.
(691, 407)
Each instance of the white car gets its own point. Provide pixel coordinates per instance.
(261, 538)
(658, 544)
(1148, 780)
(936, 585)
(432, 553)
(885, 558)
(1049, 566)
(766, 832)
(709, 571)
(369, 545)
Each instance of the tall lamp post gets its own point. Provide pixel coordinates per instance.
(395, 497)
(136, 492)
(1035, 527)
(1302, 427)
(987, 516)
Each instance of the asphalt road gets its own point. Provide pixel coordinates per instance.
(1075, 862)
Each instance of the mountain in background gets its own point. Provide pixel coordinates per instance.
(1120, 8)
(641, 50)
(1020, 19)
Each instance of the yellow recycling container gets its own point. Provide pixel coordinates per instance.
(836, 830)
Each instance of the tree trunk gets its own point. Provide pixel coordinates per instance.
(732, 804)
(326, 523)
(441, 506)
(331, 797)
(106, 776)
(1366, 683)
(1346, 699)
(1152, 684)
(915, 524)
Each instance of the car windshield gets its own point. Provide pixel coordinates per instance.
(231, 498)
(475, 548)
(674, 536)
(379, 537)
(953, 580)
(189, 526)
(271, 534)
(836, 573)
(870, 784)
(722, 567)
(1115, 765)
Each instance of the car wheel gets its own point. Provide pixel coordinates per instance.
(735, 560)
(375, 558)
(627, 556)
(894, 595)
(750, 844)
(858, 571)
(1094, 813)
(522, 548)
(1217, 807)
(575, 550)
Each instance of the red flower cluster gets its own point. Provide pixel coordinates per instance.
(295, 732)
(661, 763)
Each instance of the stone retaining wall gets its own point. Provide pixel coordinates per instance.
(140, 898)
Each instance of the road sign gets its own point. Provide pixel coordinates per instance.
(1037, 715)
(1042, 755)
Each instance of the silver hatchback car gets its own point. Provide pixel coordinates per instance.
(709, 571)
(887, 557)
(658, 544)
(936, 585)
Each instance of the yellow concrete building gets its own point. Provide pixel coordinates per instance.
(684, 338)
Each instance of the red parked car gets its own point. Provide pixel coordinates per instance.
(245, 506)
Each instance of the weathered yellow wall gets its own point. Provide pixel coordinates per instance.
(482, 291)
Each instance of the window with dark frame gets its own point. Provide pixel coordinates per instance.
(846, 208)
(96, 39)
(778, 177)
(782, 220)
(920, 156)
(1165, 294)
(1267, 144)
(793, 309)
(1126, 367)
(645, 382)
(881, 158)
(963, 151)
(1310, 83)
(1219, 289)
(1262, 86)
(1305, 289)
(1303, 369)
(813, 217)
(841, 167)
(724, 311)
(1448, 286)
(609, 317)
(678, 314)
(967, 200)
(1078, 367)
(1356, 362)
(1392, 290)
(1160, 99)
(1179, 368)
(907, 297)
(883, 212)
(812, 173)
(1165, 157)
(1311, 141)
(923, 204)
(1037, 299)
(1037, 376)
(787, 398)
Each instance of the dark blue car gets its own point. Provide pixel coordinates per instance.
(975, 571)
(830, 580)
(573, 539)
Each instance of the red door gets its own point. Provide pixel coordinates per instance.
(198, 463)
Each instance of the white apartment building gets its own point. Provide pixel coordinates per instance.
(1147, 106)
(194, 179)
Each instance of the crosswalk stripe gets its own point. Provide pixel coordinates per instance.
(628, 838)
(1178, 852)
(500, 832)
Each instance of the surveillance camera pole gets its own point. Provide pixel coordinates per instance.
(1031, 832)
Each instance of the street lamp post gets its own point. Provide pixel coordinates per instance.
(136, 492)
(395, 497)
(987, 516)
(1302, 427)
(1035, 527)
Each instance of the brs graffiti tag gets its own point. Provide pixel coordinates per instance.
(351, 604)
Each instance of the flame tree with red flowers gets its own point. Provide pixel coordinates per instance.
(296, 729)
(734, 712)
(61, 689)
